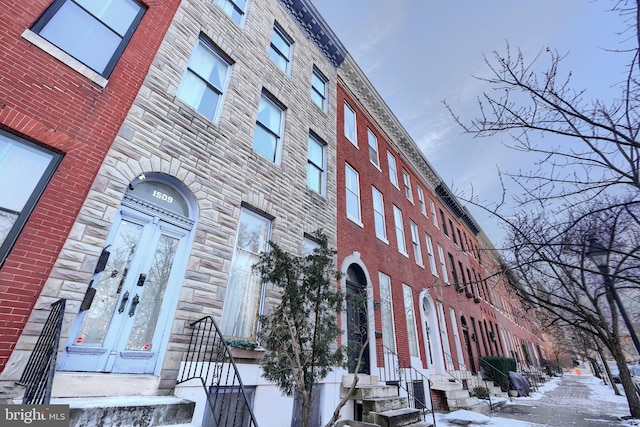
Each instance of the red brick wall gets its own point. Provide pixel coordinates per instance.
(379, 256)
(47, 102)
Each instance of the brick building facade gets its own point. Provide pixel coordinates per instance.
(59, 117)
(215, 127)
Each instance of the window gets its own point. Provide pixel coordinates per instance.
(412, 334)
(350, 124)
(280, 49)
(444, 336)
(466, 246)
(460, 239)
(434, 218)
(443, 264)
(353, 194)
(319, 89)
(423, 206)
(432, 258)
(309, 244)
(373, 148)
(316, 164)
(397, 218)
(386, 312)
(444, 224)
(205, 81)
(268, 134)
(234, 8)
(378, 214)
(25, 170)
(95, 32)
(415, 241)
(462, 283)
(453, 232)
(242, 300)
(407, 185)
(393, 172)
(454, 275)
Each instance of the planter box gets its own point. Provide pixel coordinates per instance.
(245, 355)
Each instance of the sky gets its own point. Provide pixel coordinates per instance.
(418, 53)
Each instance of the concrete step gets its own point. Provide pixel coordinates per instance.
(395, 418)
(147, 411)
(421, 424)
(96, 384)
(363, 380)
(384, 404)
(462, 403)
(446, 386)
(371, 391)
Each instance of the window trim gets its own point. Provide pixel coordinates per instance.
(55, 7)
(393, 177)
(406, 180)
(23, 216)
(279, 136)
(323, 170)
(357, 220)
(217, 52)
(347, 107)
(431, 254)
(241, 12)
(399, 227)
(277, 29)
(415, 243)
(325, 81)
(380, 213)
(372, 137)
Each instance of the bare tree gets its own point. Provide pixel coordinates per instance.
(546, 255)
(583, 147)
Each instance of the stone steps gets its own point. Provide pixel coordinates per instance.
(147, 411)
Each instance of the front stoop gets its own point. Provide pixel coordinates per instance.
(395, 417)
(139, 411)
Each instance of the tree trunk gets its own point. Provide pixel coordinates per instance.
(306, 407)
(627, 382)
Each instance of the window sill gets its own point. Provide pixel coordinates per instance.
(355, 221)
(64, 57)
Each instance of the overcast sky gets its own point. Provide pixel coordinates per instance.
(418, 53)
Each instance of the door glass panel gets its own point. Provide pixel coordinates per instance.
(151, 295)
(108, 290)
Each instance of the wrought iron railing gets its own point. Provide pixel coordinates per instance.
(37, 376)
(395, 371)
(208, 359)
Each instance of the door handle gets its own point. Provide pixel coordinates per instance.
(123, 302)
(134, 304)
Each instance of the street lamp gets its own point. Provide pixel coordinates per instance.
(600, 257)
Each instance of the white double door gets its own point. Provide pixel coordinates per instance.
(129, 318)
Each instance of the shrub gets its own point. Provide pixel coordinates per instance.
(497, 370)
(479, 392)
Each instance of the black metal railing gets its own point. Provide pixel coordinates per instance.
(37, 376)
(209, 359)
(395, 371)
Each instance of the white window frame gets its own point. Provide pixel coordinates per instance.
(423, 206)
(350, 124)
(410, 316)
(280, 58)
(406, 179)
(244, 300)
(275, 156)
(319, 94)
(393, 169)
(443, 264)
(352, 188)
(379, 219)
(415, 242)
(235, 9)
(374, 155)
(387, 312)
(317, 165)
(400, 238)
(444, 335)
(432, 259)
(192, 75)
(434, 215)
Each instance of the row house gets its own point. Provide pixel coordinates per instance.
(70, 72)
(437, 300)
(163, 161)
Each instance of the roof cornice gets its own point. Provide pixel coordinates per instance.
(310, 20)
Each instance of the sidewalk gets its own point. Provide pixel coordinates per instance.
(577, 400)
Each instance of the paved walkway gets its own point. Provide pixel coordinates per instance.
(570, 404)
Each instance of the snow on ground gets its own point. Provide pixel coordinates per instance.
(601, 394)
